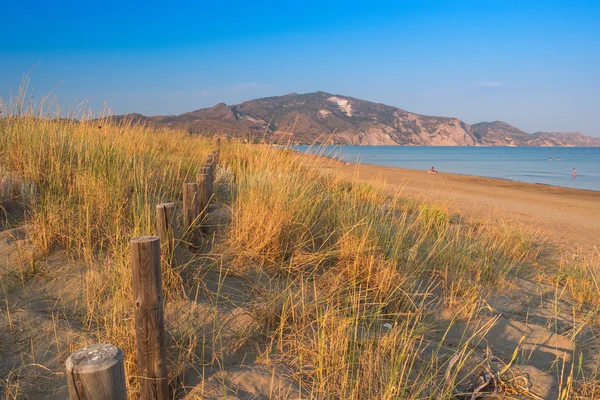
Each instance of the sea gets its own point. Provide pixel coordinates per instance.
(540, 165)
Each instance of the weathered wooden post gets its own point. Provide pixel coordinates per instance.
(216, 158)
(202, 179)
(215, 163)
(96, 372)
(149, 318)
(166, 227)
(211, 173)
(210, 163)
(191, 213)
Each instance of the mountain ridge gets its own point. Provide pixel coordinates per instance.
(321, 117)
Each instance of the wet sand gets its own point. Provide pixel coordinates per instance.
(570, 218)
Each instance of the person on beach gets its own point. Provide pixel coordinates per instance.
(574, 173)
(432, 171)
(550, 159)
(558, 159)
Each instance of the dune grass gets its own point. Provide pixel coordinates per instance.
(340, 275)
(358, 269)
(97, 187)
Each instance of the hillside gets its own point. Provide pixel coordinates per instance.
(500, 133)
(325, 118)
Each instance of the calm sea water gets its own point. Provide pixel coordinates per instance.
(524, 164)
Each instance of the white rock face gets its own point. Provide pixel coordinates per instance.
(324, 113)
(343, 104)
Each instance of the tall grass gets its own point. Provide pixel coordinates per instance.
(287, 215)
(98, 184)
(341, 275)
(357, 273)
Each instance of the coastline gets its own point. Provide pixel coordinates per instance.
(498, 181)
(568, 217)
(521, 166)
(555, 188)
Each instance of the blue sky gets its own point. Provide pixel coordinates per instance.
(534, 64)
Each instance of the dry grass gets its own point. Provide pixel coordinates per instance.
(339, 276)
(98, 185)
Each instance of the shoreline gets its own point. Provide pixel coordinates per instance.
(556, 188)
(333, 157)
(568, 217)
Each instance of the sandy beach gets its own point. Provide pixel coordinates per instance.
(569, 218)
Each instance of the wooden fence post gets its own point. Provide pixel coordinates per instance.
(203, 193)
(211, 172)
(216, 158)
(191, 213)
(149, 318)
(166, 227)
(210, 163)
(96, 372)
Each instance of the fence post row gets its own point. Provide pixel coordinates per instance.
(96, 372)
(149, 318)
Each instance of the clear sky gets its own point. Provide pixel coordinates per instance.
(534, 64)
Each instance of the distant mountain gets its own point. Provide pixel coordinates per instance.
(326, 118)
(576, 139)
(499, 133)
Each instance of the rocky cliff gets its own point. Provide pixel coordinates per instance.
(326, 118)
(499, 133)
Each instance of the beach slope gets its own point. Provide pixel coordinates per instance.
(570, 218)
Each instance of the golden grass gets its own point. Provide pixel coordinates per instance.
(98, 185)
(341, 275)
